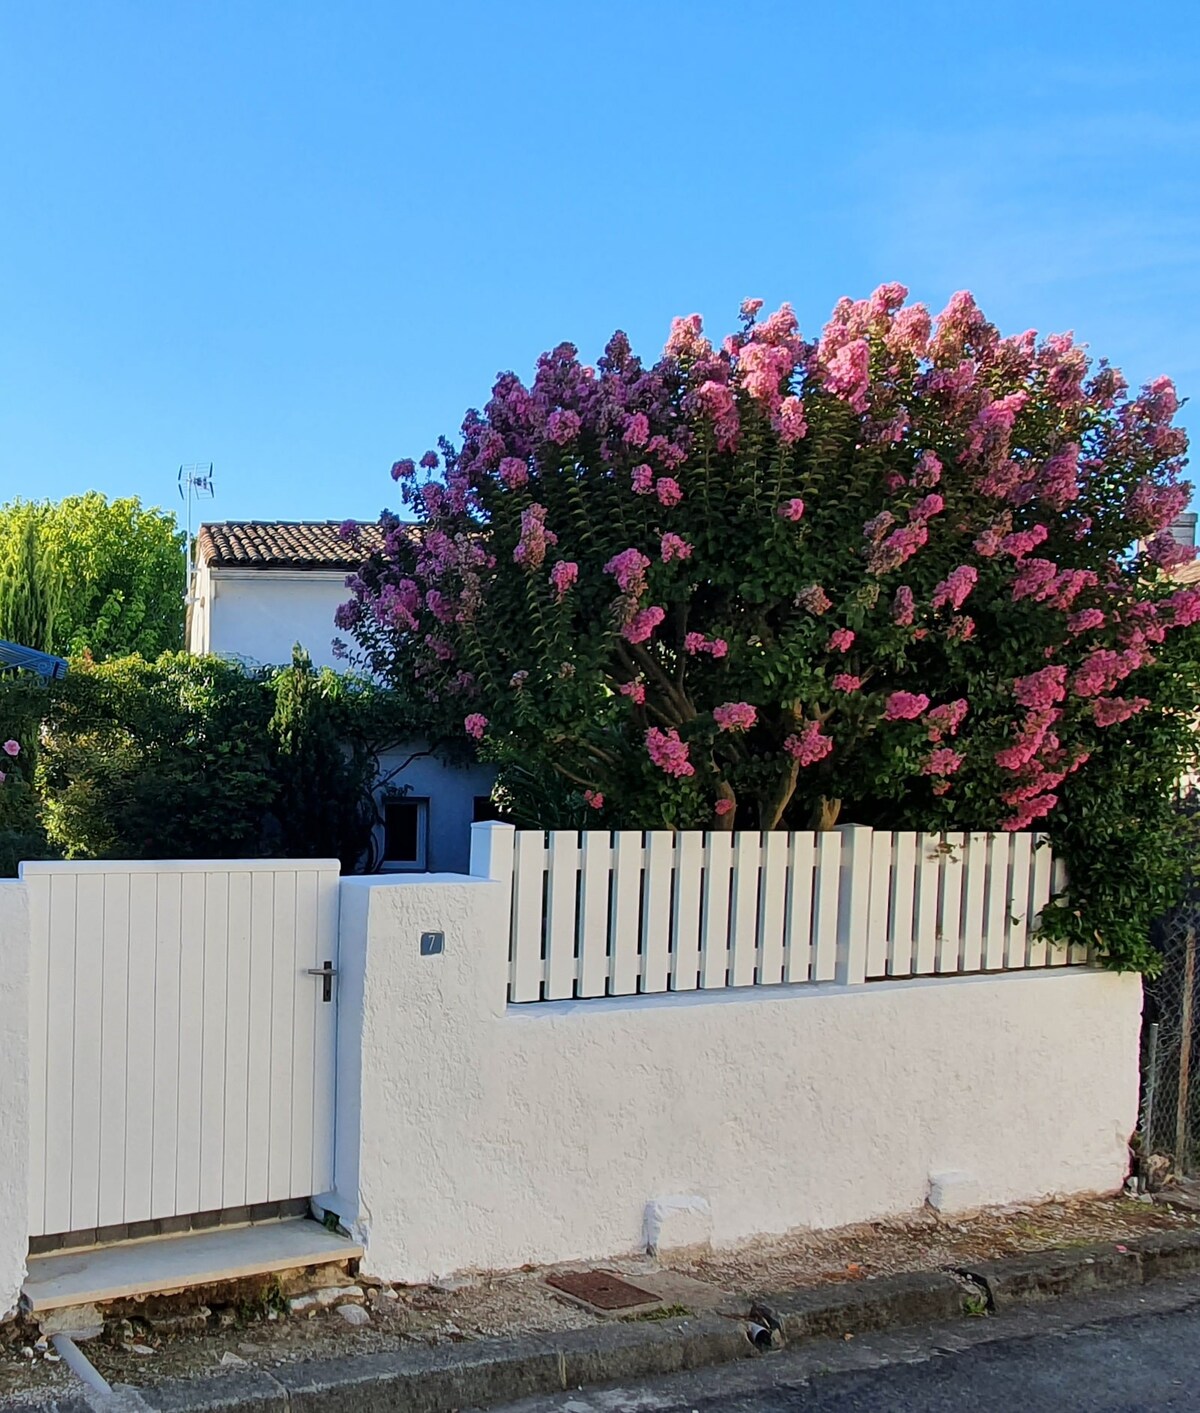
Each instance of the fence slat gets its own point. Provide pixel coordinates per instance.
(950, 928)
(1017, 933)
(165, 1094)
(563, 871)
(798, 949)
(685, 924)
(771, 907)
(258, 1049)
(714, 955)
(115, 1082)
(656, 916)
(974, 899)
(901, 907)
(212, 1063)
(594, 882)
(87, 1037)
(283, 1032)
(625, 942)
(995, 922)
(743, 951)
(528, 967)
(308, 953)
(927, 898)
(139, 1058)
(237, 1042)
(825, 906)
(879, 927)
(1039, 894)
(59, 1066)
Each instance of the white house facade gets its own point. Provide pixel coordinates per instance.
(259, 589)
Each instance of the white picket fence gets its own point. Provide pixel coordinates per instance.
(600, 914)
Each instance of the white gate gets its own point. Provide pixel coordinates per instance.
(182, 1052)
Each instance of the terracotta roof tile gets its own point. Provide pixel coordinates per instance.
(281, 544)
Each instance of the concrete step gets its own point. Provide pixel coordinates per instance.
(163, 1264)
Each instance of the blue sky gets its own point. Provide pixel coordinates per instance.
(298, 239)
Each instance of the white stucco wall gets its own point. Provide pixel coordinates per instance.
(472, 1135)
(14, 1089)
(260, 614)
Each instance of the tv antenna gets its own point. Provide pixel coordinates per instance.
(195, 483)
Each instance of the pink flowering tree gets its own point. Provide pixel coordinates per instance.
(906, 572)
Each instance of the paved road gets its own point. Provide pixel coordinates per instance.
(1123, 1351)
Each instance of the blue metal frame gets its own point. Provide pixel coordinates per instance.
(44, 664)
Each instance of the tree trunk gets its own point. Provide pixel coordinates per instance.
(776, 803)
(825, 816)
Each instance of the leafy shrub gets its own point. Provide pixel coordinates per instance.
(908, 573)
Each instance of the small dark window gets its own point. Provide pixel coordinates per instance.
(485, 810)
(405, 824)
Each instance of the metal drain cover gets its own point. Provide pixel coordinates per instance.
(601, 1289)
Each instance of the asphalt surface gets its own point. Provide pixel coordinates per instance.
(1127, 1350)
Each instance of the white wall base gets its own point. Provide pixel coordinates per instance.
(478, 1136)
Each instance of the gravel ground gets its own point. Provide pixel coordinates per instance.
(263, 1333)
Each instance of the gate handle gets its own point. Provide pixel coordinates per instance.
(327, 973)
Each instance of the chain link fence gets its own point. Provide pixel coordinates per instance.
(1169, 1130)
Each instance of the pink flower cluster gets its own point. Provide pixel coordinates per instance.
(642, 624)
(694, 643)
(791, 509)
(535, 538)
(1085, 621)
(642, 479)
(723, 807)
(669, 753)
(594, 799)
(637, 430)
(635, 691)
(943, 761)
(928, 471)
(841, 640)
(513, 472)
(945, 720)
(809, 745)
(905, 706)
(735, 716)
(629, 570)
(814, 599)
(674, 547)
(903, 607)
(562, 577)
(1101, 670)
(846, 682)
(789, 420)
(475, 725)
(899, 546)
(956, 587)
(1110, 711)
(848, 374)
(926, 508)
(562, 426)
(668, 491)
(1022, 542)
(1041, 689)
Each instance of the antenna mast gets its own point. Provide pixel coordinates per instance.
(195, 483)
